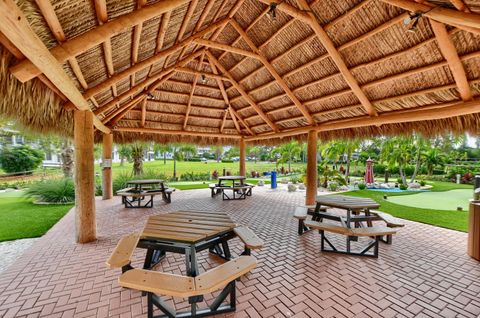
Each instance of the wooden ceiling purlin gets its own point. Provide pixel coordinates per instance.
(146, 84)
(242, 91)
(148, 62)
(177, 132)
(185, 95)
(195, 72)
(424, 113)
(280, 81)
(25, 70)
(134, 102)
(227, 48)
(463, 20)
(17, 30)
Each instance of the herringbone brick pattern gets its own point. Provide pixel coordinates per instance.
(425, 273)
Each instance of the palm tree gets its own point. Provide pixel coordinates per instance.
(138, 149)
(163, 149)
(125, 152)
(398, 151)
(188, 151)
(288, 152)
(218, 150)
(67, 158)
(420, 144)
(433, 157)
(334, 150)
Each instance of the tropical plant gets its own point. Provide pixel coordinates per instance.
(20, 158)
(432, 158)
(52, 191)
(137, 151)
(362, 186)
(125, 153)
(67, 158)
(288, 152)
(188, 151)
(163, 150)
(398, 151)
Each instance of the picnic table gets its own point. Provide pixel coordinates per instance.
(137, 190)
(187, 232)
(240, 190)
(358, 210)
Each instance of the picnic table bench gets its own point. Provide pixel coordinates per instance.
(133, 197)
(240, 190)
(174, 228)
(354, 207)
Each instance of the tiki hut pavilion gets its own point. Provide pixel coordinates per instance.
(236, 72)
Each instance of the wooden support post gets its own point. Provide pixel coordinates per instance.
(85, 223)
(311, 167)
(243, 152)
(107, 189)
(474, 230)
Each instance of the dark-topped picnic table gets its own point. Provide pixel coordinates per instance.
(358, 211)
(137, 190)
(240, 190)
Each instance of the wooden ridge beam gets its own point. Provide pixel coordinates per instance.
(280, 81)
(25, 70)
(147, 63)
(423, 113)
(176, 132)
(242, 91)
(17, 30)
(464, 20)
(449, 52)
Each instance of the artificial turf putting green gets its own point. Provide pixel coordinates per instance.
(446, 201)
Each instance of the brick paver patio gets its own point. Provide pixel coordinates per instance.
(425, 273)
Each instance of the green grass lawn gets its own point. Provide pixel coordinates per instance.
(450, 219)
(198, 167)
(20, 218)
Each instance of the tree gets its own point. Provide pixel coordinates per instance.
(218, 151)
(188, 151)
(420, 145)
(432, 158)
(177, 155)
(138, 149)
(20, 159)
(163, 149)
(288, 152)
(398, 151)
(125, 153)
(67, 158)
(255, 151)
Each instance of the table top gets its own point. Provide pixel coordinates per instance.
(232, 178)
(147, 181)
(187, 226)
(347, 202)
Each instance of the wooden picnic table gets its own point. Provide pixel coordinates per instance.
(150, 183)
(241, 179)
(238, 186)
(187, 232)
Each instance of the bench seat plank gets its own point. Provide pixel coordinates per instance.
(159, 283)
(389, 220)
(123, 251)
(300, 213)
(328, 227)
(248, 237)
(220, 276)
(373, 231)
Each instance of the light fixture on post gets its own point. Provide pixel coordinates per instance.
(273, 11)
(412, 21)
(203, 78)
(150, 96)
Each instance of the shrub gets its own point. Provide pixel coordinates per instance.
(227, 161)
(20, 159)
(53, 191)
(294, 179)
(195, 159)
(120, 180)
(362, 186)
(333, 186)
(191, 176)
(379, 168)
(402, 186)
(422, 183)
(215, 175)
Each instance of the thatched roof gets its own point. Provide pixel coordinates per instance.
(213, 71)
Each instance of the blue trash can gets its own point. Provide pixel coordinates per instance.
(273, 179)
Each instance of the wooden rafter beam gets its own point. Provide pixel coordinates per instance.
(224, 120)
(433, 112)
(229, 109)
(450, 54)
(177, 132)
(280, 81)
(460, 5)
(143, 85)
(123, 109)
(335, 56)
(144, 111)
(464, 20)
(17, 30)
(227, 48)
(51, 18)
(242, 91)
(25, 70)
(148, 62)
(194, 84)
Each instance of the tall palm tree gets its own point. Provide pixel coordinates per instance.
(288, 152)
(188, 150)
(163, 149)
(398, 151)
(433, 157)
(138, 150)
